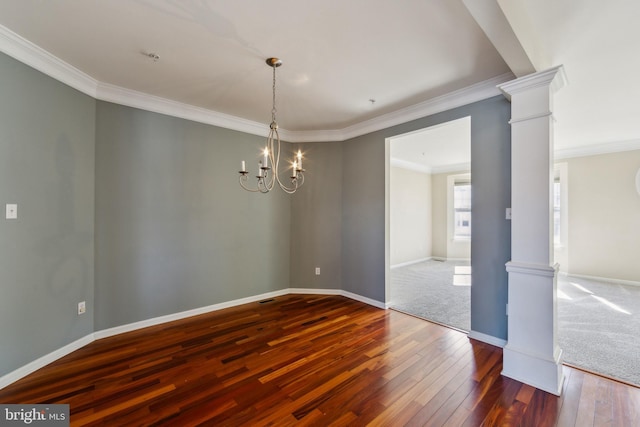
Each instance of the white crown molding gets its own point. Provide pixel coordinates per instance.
(156, 104)
(596, 149)
(555, 78)
(405, 164)
(34, 56)
(417, 167)
(458, 98)
(458, 167)
(30, 54)
(298, 136)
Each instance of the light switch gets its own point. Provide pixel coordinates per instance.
(12, 211)
(508, 213)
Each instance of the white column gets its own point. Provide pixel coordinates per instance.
(532, 355)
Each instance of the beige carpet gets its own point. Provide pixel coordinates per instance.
(598, 322)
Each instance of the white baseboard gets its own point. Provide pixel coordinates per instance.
(489, 339)
(309, 291)
(435, 258)
(601, 279)
(184, 314)
(405, 264)
(340, 292)
(365, 300)
(25, 370)
(444, 259)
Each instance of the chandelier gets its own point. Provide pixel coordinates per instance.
(269, 164)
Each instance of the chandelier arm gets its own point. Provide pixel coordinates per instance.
(276, 151)
(268, 183)
(290, 190)
(243, 179)
(264, 186)
(276, 163)
(273, 152)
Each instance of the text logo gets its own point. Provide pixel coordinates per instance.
(36, 415)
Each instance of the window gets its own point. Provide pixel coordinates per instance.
(557, 227)
(462, 210)
(560, 211)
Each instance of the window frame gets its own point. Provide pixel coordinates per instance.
(458, 183)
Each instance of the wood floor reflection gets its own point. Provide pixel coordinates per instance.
(310, 360)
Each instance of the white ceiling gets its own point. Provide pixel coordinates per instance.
(441, 148)
(340, 54)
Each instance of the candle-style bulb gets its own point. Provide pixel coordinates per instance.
(299, 163)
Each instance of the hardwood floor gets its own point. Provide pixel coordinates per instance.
(310, 360)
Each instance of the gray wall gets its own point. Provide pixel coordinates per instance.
(363, 210)
(174, 230)
(316, 219)
(490, 231)
(46, 255)
(363, 216)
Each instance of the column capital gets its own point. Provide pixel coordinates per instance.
(532, 269)
(555, 78)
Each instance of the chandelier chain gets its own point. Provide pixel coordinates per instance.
(273, 108)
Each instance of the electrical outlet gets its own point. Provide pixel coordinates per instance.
(82, 307)
(317, 271)
(11, 211)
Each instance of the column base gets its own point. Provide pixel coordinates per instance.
(532, 355)
(535, 370)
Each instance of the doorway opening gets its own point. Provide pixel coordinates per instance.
(430, 216)
(598, 286)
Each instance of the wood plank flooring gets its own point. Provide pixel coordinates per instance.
(310, 360)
